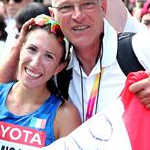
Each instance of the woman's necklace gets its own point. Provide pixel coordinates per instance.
(94, 96)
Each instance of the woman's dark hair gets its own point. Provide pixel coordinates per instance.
(3, 33)
(54, 89)
(32, 10)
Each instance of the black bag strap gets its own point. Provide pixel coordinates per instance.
(126, 57)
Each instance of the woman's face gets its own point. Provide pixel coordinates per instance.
(39, 58)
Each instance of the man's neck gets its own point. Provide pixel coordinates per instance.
(88, 58)
(89, 55)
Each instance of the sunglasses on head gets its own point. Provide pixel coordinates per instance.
(54, 27)
(16, 1)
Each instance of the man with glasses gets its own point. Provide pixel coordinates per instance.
(97, 78)
(12, 8)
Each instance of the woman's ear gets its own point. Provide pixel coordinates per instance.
(60, 67)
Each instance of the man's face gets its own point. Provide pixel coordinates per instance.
(81, 20)
(13, 6)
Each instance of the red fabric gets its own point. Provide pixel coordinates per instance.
(136, 116)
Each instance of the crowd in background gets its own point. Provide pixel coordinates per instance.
(11, 9)
(13, 13)
(140, 9)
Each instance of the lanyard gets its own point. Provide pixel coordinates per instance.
(93, 100)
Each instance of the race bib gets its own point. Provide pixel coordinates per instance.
(15, 137)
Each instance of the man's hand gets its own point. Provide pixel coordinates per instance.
(142, 90)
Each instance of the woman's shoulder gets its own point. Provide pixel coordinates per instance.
(68, 118)
(67, 108)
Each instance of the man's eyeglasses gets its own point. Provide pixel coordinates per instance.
(85, 6)
(16, 1)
